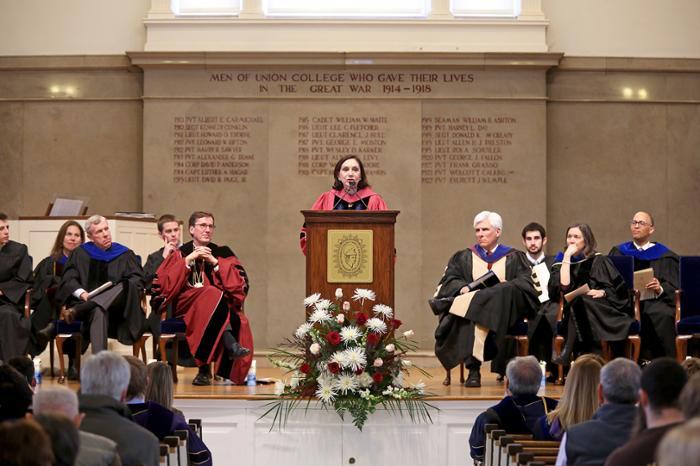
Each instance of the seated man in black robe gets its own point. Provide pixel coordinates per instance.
(15, 280)
(542, 327)
(658, 312)
(474, 323)
(115, 312)
(519, 411)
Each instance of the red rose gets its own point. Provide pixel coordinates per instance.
(361, 318)
(334, 367)
(372, 339)
(305, 368)
(396, 323)
(333, 338)
(377, 377)
(359, 372)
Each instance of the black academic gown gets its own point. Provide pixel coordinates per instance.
(47, 277)
(497, 308)
(542, 328)
(659, 314)
(149, 271)
(125, 324)
(596, 319)
(15, 280)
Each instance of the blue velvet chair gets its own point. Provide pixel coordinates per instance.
(687, 305)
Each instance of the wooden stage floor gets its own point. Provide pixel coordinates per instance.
(490, 388)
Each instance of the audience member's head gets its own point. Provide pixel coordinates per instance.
(661, 384)
(24, 443)
(137, 379)
(15, 394)
(106, 373)
(57, 399)
(619, 381)
(680, 446)
(160, 384)
(65, 440)
(580, 398)
(690, 398)
(523, 376)
(24, 366)
(691, 366)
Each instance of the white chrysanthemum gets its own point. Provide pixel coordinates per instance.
(376, 325)
(346, 383)
(319, 315)
(362, 294)
(303, 330)
(419, 387)
(312, 299)
(340, 357)
(325, 393)
(322, 305)
(364, 380)
(350, 333)
(384, 310)
(355, 358)
(325, 379)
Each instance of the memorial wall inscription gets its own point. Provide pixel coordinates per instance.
(467, 149)
(214, 149)
(324, 138)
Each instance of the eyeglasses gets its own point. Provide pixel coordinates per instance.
(640, 223)
(205, 226)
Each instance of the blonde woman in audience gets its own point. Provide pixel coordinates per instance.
(160, 386)
(680, 447)
(579, 401)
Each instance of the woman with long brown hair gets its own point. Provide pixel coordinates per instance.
(602, 311)
(47, 276)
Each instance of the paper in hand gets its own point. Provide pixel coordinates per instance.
(581, 290)
(641, 278)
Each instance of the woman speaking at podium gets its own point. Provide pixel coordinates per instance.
(350, 192)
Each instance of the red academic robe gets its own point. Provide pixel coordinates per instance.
(329, 201)
(206, 310)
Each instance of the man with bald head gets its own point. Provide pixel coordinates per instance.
(657, 313)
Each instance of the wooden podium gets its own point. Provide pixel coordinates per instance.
(350, 249)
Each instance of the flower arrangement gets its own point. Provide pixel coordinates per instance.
(351, 360)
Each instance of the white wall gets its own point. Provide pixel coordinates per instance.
(636, 28)
(624, 28)
(71, 27)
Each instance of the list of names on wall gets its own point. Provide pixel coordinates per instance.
(323, 139)
(213, 149)
(467, 149)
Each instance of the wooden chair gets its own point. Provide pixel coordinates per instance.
(687, 305)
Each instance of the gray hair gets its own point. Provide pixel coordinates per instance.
(492, 217)
(106, 373)
(524, 375)
(56, 399)
(620, 379)
(93, 220)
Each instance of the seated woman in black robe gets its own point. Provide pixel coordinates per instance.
(603, 313)
(47, 275)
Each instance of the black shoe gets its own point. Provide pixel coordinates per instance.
(201, 379)
(45, 335)
(474, 379)
(563, 359)
(71, 373)
(236, 351)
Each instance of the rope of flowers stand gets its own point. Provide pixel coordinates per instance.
(350, 361)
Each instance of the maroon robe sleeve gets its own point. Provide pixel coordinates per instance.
(320, 204)
(172, 276)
